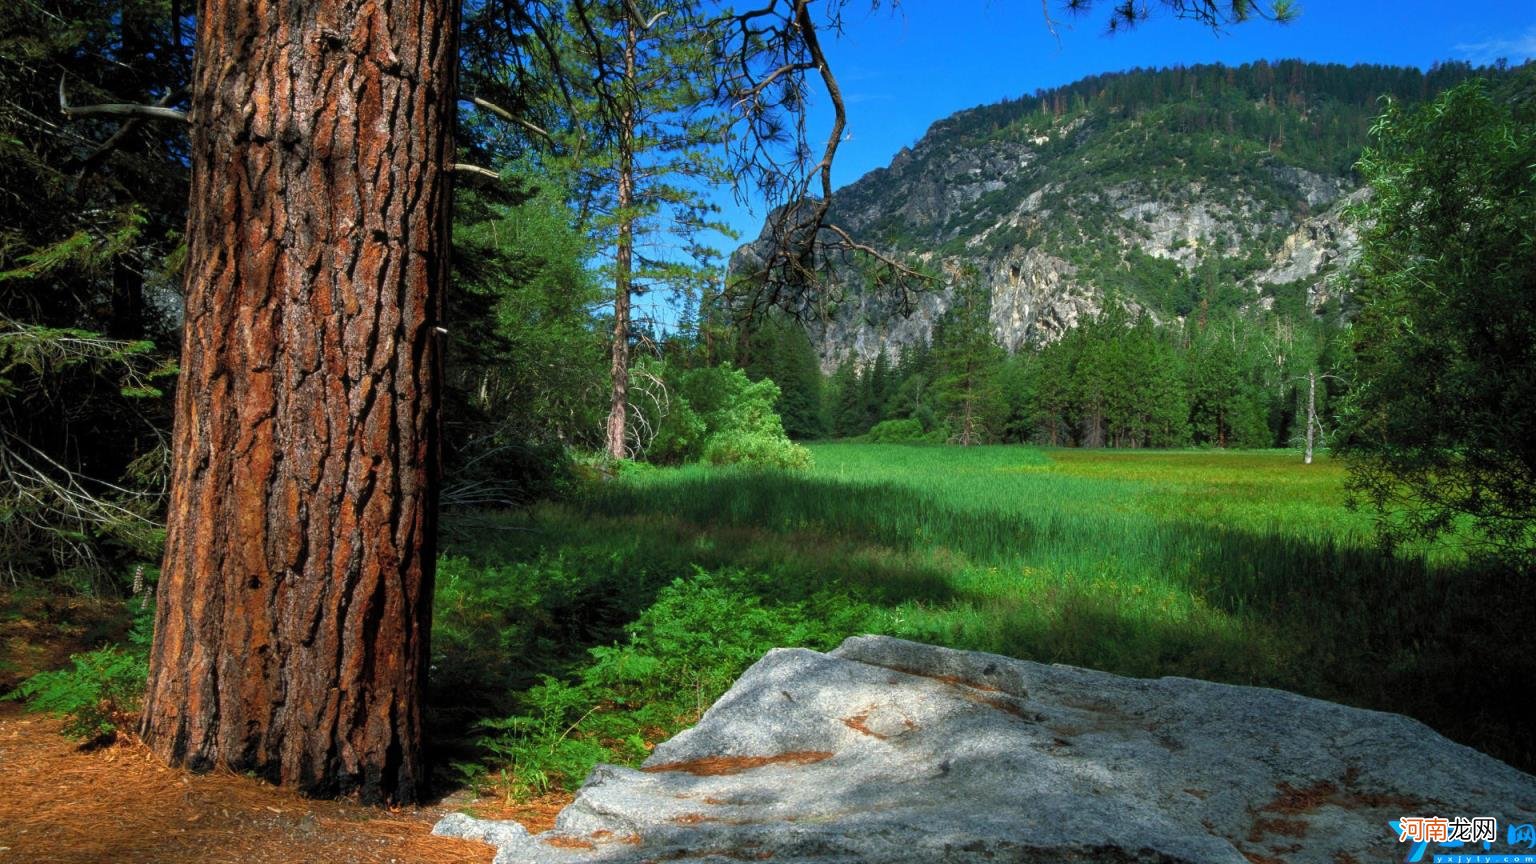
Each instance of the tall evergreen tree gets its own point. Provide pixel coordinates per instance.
(966, 359)
(648, 99)
(526, 368)
(1226, 407)
(294, 606)
(845, 402)
(780, 349)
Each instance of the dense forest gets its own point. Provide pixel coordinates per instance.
(1115, 381)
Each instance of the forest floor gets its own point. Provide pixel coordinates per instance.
(64, 803)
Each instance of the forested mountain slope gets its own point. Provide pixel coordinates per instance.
(1186, 192)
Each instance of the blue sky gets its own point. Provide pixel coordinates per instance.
(901, 69)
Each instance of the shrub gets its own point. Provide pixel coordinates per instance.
(100, 690)
(898, 432)
(718, 415)
(731, 447)
(681, 654)
(680, 436)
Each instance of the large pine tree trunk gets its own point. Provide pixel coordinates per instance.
(294, 603)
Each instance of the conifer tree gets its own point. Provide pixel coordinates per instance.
(966, 360)
(780, 349)
(294, 606)
(647, 140)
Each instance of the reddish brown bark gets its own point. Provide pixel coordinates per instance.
(294, 603)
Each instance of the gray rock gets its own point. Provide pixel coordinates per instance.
(891, 751)
(1321, 245)
(467, 827)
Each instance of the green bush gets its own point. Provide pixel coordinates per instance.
(680, 655)
(680, 435)
(731, 447)
(906, 431)
(718, 415)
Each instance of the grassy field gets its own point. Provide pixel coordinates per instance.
(636, 604)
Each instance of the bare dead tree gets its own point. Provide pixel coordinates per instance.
(650, 400)
(1314, 425)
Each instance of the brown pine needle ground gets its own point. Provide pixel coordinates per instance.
(63, 805)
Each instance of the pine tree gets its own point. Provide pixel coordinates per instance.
(966, 360)
(646, 84)
(779, 349)
(294, 604)
(845, 402)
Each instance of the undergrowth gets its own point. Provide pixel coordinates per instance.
(99, 693)
(614, 704)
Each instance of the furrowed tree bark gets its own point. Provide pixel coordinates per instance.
(292, 630)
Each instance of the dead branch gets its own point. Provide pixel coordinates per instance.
(771, 51)
(508, 116)
(764, 56)
(123, 131)
(484, 175)
(641, 432)
(118, 109)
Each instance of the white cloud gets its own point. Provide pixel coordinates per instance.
(1516, 49)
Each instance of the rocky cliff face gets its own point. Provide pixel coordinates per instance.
(1059, 215)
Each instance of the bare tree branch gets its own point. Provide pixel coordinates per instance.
(123, 131)
(484, 174)
(118, 109)
(764, 56)
(508, 116)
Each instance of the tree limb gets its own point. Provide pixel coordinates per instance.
(764, 57)
(508, 116)
(484, 174)
(118, 109)
(123, 131)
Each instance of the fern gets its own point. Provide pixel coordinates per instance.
(99, 691)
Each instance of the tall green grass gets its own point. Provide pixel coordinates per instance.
(1238, 567)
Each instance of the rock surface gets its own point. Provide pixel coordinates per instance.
(891, 751)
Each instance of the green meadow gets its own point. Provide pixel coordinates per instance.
(628, 608)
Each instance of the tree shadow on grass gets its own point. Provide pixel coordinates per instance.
(514, 606)
(1449, 645)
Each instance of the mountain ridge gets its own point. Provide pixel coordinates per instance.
(1177, 192)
